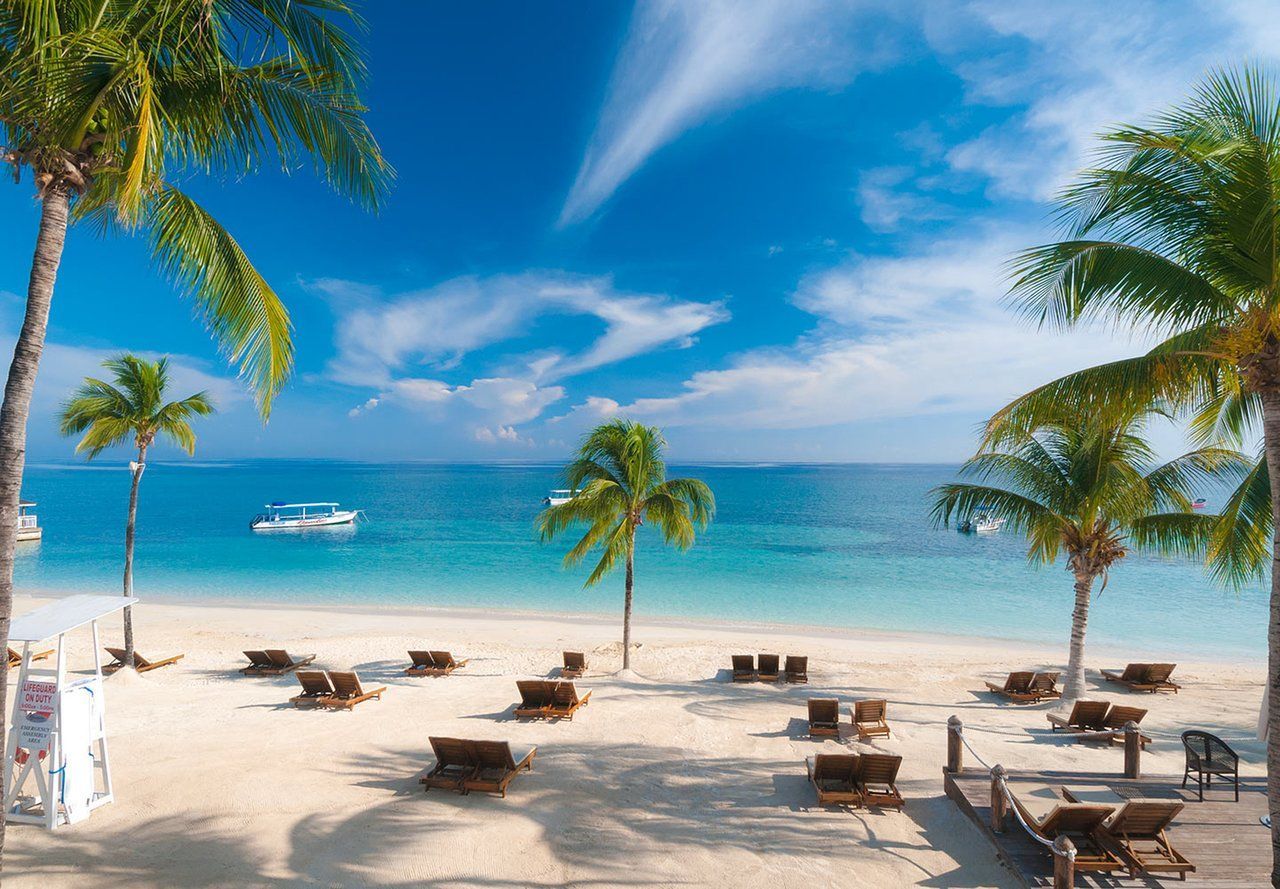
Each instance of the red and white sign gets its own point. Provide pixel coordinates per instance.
(37, 696)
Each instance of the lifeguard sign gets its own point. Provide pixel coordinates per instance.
(57, 737)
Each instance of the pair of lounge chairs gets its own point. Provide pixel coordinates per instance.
(15, 657)
(868, 718)
(764, 668)
(1088, 717)
(866, 779)
(1131, 837)
(432, 663)
(1028, 687)
(575, 664)
(486, 766)
(140, 663)
(549, 699)
(1144, 677)
(274, 662)
(334, 689)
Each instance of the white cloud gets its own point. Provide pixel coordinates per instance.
(593, 410)
(363, 408)
(501, 435)
(887, 200)
(684, 62)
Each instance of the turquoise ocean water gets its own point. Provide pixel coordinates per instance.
(840, 546)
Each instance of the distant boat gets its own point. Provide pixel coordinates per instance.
(1198, 503)
(559, 496)
(283, 516)
(28, 524)
(980, 522)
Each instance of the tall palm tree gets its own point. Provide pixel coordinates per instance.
(110, 103)
(1092, 492)
(132, 406)
(1175, 233)
(621, 483)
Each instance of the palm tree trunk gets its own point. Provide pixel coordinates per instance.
(1270, 397)
(128, 553)
(626, 608)
(17, 404)
(1073, 688)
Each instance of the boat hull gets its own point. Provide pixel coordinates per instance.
(30, 534)
(343, 517)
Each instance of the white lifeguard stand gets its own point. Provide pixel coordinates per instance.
(57, 734)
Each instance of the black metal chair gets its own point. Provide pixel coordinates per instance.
(1209, 755)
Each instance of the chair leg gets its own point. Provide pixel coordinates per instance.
(1200, 784)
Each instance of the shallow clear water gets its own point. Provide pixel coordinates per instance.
(816, 545)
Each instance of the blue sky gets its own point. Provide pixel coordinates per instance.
(776, 229)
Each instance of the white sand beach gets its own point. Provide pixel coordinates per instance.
(673, 776)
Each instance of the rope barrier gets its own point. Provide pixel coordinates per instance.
(959, 730)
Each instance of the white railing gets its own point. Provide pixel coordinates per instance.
(27, 521)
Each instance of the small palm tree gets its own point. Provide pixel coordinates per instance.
(621, 483)
(1093, 492)
(132, 406)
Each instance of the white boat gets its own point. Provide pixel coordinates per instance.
(28, 524)
(559, 496)
(981, 523)
(284, 516)
(1198, 503)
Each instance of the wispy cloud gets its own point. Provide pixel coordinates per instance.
(684, 62)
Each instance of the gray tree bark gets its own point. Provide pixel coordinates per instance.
(626, 608)
(1270, 398)
(128, 554)
(1073, 687)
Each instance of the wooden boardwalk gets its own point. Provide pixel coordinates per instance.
(1222, 838)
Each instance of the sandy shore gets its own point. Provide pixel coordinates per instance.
(675, 776)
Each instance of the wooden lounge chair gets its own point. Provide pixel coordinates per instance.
(1082, 823)
(316, 688)
(824, 717)
(15, 658)
(347, 691)
(259, 663)
(421, 664)
(445, 663)
(141, 664)
(565, 700)
(1138, 831)
(797, 669)
(1017, 687)
(1145, 677)
(536, 698)
(1118, 717)
(767, 667)
(1086, 716)
(869, 718)
(575, 664)
(877, 780)
(1045, 685)
(274, 662)
(453, 765)
(835, 777)
(744, 668)
(495, 766)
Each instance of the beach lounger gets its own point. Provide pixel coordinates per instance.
(1086, 716)
(444, 663)
(1017, 687)
(1081, 823)
(274, 662)
(1045, 685)
(15, 658)
(869, 718)
(536, 698)
(1138, 830)
(316, 688)
(834, 776)
(420, 664)
(496, 765)
(454, 764)
(565, 700)
(140, 663)
(347, 691)
(824, 717)
(877, 780)
(797, 669)
(744, 668)
(575, 664)
(767, 667)
(1118, 717)
(1144, 677)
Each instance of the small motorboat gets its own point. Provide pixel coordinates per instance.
(559, 496)
(285, 516)
(980, 523)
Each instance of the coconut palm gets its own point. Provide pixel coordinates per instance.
(132, 406)
(1090, 492)
(111, 103)
(1174, 233)
(621, 483)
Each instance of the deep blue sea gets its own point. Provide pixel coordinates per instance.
(820, 545)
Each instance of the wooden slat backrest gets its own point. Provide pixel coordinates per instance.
(256, 658)
(450, 751)
(279, 657)
(1135, 672)
(491, 754)
(743, 663)
(1044, 682)
(1144, 819)
(346, 684)
(564, 694)
(1075, 818)
(315, 682)
(575, 660)
(1118, 716)
(1158, 673)
(1089, 714)
(533, 692)
(768, 663)
(443, 659)
(869, 711)
(421, 659)
(835, 767)
(880, 768)
(824, 710)
(1019, 682)
(797, 664)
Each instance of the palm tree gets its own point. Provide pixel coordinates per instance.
(1092, 492)
(111, 104)
(1174, 233)
(133, 407)
(621, 482)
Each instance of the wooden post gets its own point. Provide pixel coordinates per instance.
(1064, 863)
(1132, 750)
(997, 798)
(955, 749)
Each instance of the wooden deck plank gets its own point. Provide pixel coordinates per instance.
(1223, 838)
